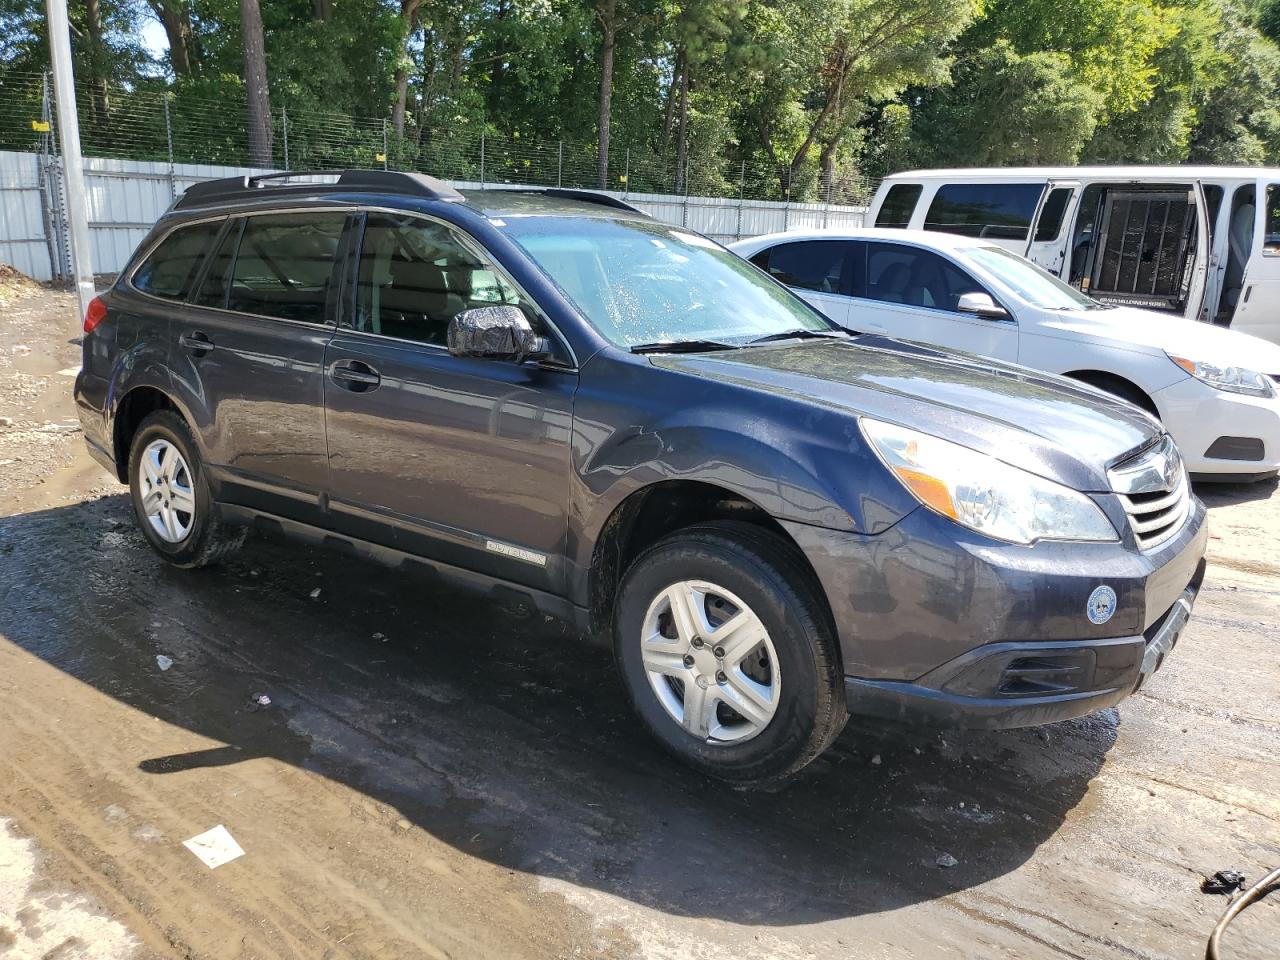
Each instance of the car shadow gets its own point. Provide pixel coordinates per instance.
(1228, 494)
(499, 732)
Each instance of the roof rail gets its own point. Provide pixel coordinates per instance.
(586, 196)
(304, 181)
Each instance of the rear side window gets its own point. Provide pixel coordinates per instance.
(172, 267)
(809, 264)
(285, 265)
(998, 211)
(899, 204)
(1050, 222)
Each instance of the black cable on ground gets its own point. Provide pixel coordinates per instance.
(1251, 896)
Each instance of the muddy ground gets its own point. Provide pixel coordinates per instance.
(439, 777)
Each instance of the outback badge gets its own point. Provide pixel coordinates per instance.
(1101, 605)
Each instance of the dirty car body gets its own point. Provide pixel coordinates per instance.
(635, 446)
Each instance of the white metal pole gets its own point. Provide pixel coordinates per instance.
(72, 165)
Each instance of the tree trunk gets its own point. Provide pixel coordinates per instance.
(97, 61)
(607, 13)
(255, 82)
(175, 19)
(409, 14)
(682, 134)
(321, 10)
(673, 94)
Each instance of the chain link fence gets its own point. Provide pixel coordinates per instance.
(145, 120)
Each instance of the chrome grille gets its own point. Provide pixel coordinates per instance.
(1155, 492)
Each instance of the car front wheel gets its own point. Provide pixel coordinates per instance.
(727, 654)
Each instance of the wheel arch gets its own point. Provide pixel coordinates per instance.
(134, 406)
(661, 508)
(1117, 385)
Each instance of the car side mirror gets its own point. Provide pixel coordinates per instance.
(500, 332)
(981, 305)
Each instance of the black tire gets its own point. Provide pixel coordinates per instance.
(767, 574)
(209, 539)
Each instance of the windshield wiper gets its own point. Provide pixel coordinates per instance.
(799, 333)
(683, 346)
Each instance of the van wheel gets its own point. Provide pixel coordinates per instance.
(171, 498)
(727, 654)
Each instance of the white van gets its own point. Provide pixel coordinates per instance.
(1200, 242)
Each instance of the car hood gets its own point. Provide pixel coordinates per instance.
(1053, 427)
(1190, 339)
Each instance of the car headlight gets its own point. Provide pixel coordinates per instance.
(983, 493)
(1232, 379)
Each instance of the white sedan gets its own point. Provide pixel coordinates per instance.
(1216, 391)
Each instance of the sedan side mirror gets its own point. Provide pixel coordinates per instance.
(981, 305)
(500, 332)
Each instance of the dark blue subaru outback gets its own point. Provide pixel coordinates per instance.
(547, 393)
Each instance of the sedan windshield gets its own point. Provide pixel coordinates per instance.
(646, 283)
(1036, 286)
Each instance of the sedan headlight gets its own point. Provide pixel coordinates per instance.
(1231, 379)
(983, 493)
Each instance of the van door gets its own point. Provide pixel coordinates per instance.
(1258, 309)
(1047, 242)
(1146, 246)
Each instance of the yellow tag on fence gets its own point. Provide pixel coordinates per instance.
(380, 157)
(40, 126)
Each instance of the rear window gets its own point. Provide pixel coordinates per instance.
(172, 267)
(997, 211)
(1050, 222)
(899, 204)
(809, 264)
(285, 264)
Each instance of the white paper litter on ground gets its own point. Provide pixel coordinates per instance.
(163, 662)
(214, 847)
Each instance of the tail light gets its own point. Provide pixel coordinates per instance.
(94, 314)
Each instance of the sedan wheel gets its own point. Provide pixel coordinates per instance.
(168, 499)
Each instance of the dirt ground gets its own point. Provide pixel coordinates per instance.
(438, 777)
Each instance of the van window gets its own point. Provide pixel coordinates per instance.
(899, 204)
(285, 265)
(992, 210)
(1050, 223)
(1271, 226)
(810, 264)
(173, 266)
(415, 276)
(918, 278)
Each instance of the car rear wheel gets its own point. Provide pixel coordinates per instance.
(727, 653)
(171, 498)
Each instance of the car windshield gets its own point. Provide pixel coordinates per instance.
(1036, 286)
(642, 283)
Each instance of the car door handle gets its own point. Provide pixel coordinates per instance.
(196, 342)
(354, 375)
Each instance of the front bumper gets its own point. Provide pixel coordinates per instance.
(1029, 683)
(937, 623)
(1206, 423)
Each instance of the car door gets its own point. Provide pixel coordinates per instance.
(250, 345)
(1257, 310)
(912, 293)
(1047, 245)
(459, 459)
(816, 270)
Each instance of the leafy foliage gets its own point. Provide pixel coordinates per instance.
(794, 98)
